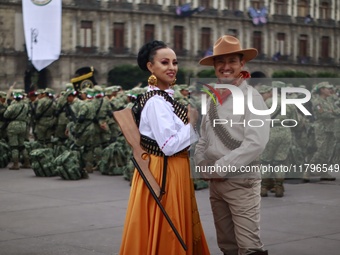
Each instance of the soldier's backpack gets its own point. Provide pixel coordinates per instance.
(42, 162)
(114, 158)
(32, 145)
(5, 154)
(60, 147)
(68, 165)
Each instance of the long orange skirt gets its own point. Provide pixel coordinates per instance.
(146, 230)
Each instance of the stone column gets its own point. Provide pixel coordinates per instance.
(74, 33)
(97, 41)
(106, 34)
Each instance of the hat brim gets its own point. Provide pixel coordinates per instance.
(248, 54)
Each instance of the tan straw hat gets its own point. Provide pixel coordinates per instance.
(228, 44)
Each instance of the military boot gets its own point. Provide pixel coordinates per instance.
(89, 168)
(279, 190)
(15, 165)
(265, 186)
(26, 164)
(84, 175)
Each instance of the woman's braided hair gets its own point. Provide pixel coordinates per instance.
(147, 53)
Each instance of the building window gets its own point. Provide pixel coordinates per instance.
(325, 11)
(280, 43)
(257, 4)
(86, 34)
(257, 41)
(281, 7)
(149, 33)
(118, 38)
(303, 8)
(179, 40)
(232, 32)
(325, 44)
(205, 4)
(232, 5)
(303, 40)
(205, 38)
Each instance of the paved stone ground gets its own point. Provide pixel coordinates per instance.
(50, 216)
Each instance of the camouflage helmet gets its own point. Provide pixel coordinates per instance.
(98, 91)
(278, 84)
(3, 94)
(40, 91)
(264, 89)
(70, 92)
(17, 93)
(49, 92)
(69, 86)
(183, 87)
(90, 93)
(324, 84)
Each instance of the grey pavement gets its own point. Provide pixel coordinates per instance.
(50, 216)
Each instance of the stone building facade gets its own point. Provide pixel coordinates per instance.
(289, 34)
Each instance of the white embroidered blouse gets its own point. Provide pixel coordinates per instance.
(159, 122)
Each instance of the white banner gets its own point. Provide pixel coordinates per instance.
(42, 25)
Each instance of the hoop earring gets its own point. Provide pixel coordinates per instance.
(173, 83)
(152, 80)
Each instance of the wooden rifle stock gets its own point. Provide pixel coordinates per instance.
(130, 130)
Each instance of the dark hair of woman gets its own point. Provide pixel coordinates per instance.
(147, 53)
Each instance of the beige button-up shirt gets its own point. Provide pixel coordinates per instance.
(253, 130)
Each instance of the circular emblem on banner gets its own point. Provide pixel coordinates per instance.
(86, 84)
(41, 2)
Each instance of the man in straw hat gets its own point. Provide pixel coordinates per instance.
(234, 196)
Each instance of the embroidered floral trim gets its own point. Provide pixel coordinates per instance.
(167, 141)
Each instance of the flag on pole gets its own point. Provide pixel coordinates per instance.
(42, 26)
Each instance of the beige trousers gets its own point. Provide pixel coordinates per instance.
(235, 205)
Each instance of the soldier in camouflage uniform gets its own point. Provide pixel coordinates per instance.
(33, 97)
(279, 144)
(3, 107)
(16, 116)
(102, 133)
(84, 130)
(335, 101)
(113, 126)
(62, 120)
(61, 114)
(325, 115)
(45, 118)
(71, 109)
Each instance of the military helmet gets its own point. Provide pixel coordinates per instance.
(17, 93)
(278, 84)
(3, 94)
(264, 89)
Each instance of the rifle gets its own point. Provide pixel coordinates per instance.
(131, 133)
(70, 113)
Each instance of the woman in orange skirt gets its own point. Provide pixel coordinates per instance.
(166, 134)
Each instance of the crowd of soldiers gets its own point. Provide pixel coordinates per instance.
(310, 146)
(82, 121)
(72, 120)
